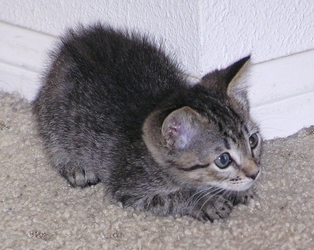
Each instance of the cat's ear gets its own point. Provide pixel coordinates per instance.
(230, 82)
(237, 87)
(179, 127)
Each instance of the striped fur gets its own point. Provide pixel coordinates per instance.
(113, 108)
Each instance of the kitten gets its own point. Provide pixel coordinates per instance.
(115, 109)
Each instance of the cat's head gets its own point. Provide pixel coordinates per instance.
(209, 139)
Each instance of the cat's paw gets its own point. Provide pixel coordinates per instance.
(242, 197)
(214, 210)
(79, 177)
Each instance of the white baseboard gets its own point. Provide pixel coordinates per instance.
(16, 79)
(24, 48)
(23, 56)
(285, 117)
(281, 93)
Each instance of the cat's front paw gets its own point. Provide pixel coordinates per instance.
(78, 177)
(213, 210)
(242, 197)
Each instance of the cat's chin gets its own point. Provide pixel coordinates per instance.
(236, 187)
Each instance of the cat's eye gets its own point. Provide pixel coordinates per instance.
(223, 160)
(253, 140)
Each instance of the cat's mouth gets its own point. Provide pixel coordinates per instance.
(237, 183)
(235, 179)
(241, 184)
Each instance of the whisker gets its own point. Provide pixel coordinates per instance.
(201, 193)
(217, 191)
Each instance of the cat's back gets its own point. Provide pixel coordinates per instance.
(99, 71)
(120, 66)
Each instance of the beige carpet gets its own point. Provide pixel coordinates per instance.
(38, 210)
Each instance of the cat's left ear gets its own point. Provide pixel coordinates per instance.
(179, 127)
(231, 82)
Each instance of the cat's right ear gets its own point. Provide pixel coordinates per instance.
(230, 83)
(225, 79)
(179, 127)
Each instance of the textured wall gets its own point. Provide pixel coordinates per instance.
(203, 34)
(174, 22)
(267, 29)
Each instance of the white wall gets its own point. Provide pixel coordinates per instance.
(269, 29)
(202, 34)
(174, 22)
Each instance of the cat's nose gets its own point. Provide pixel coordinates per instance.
(254, 175)
(251, 169)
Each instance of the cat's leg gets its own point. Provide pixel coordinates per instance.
(242, 197)
(78, 176)
(75, 169)
(204, 208)
(220, 206)
(209, 210)
(199, 205)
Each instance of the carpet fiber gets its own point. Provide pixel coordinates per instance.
(38, 209)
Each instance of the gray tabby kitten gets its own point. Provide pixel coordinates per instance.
(115, 109)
